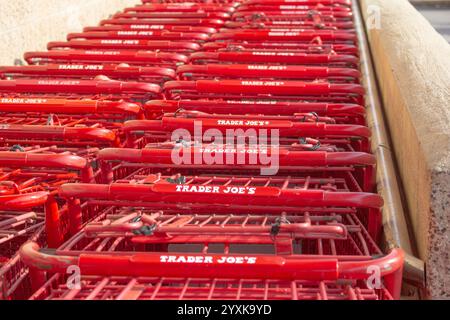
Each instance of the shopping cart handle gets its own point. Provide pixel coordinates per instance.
(181, 7)
(267, 71)
(102, 56)
(23, 201)
(87, 70)
(127, 44)
(286, 157)
(255, 107)
(172, 15)
(346, 3)
(165, 21)
(134, 27)
(57, 132)
(264, 196)
(280, 57)
(65, 106)
(25, 159)
(78, 86)
(216, 266)
(304, 35)
(139, 35)
(288, 88)
(223, 124)
(319, 7)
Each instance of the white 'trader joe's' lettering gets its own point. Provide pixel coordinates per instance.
(207, 259)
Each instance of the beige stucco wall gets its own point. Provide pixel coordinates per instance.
(413, 66)
(27, 25)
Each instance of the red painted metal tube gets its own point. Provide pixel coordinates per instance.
(214, 23)
(286, 157)
(259, 229)
(182, 7)
(78, 87)
(267, 71)
(219, 266)
(276, 88)
(305, 36)
(254, 107)
(24, 159)
(285, 128)
(141, 35)
(172, 15)
(292, 24)
(66, 106)
(266, 57)
(118, 44)
(57, 132)
(345, 3)
(23, 201)
(218, 195)
(292, 47)
(99, 56)
(292, 7)
(138, 26)
(113, 71)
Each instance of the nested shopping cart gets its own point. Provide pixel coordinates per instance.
(339, 250)
(282, 90)
(283, 37)
(197, 37)
(341, 113)
(277, 48)
(78, 132)
(134, 27)
(280, 57)
(317, 193)
(85, 71)
(100, 88)
(131, 57)
(249, 129)
(197, 22)
(29, 181)
(357, 168)
(182, 47)
(173, 15)
(268, 72)
(183, 7)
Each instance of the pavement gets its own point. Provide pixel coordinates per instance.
(438, 16)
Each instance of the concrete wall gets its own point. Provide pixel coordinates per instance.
(413, 68)
(27, 25)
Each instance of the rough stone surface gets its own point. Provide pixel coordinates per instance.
(27, 25)
(413, 67)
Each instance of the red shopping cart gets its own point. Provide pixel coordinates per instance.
(268, 130)
(141, 35)
(182, 7)
(192, 158)
(134, 27)
(283, 48)
(303, 36)
(317, 193)
(131, 57)
(161, 248)
(101, 87)
(341, 113)
(213, 23)
(268, 72)
(122, 72)
(281, 57)
(184, 47)
(173, 15)
(269, 90)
